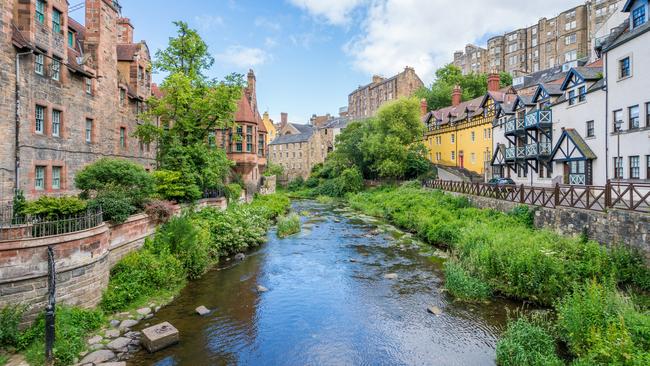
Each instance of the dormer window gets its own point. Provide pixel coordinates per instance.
(582, 93)
(638, 16)
(572, 97)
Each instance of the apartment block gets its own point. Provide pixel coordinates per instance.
(473, 60)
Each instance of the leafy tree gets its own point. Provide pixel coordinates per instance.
(473, 85)
(115, 174)
(274, 169)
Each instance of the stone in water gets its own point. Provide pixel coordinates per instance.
(202, 310)
(261, 288)
(390, 276)
(159, 336)
(434, 310)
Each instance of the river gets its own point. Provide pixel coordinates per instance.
(328, 303)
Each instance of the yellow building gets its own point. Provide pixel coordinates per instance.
(270, 128)
(461, 135)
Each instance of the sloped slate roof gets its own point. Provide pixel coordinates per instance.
(305, 134)
(125, 52)
(340, 122)
(244, 111)
(577, 140)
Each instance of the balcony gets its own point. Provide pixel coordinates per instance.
(516, 153)
(538, 150)
(515, 126)
(538, 119)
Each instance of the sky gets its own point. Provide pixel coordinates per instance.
(308, 55)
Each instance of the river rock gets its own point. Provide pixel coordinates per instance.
(118, 343)
(144, 311)
(133, 335)
(96, 339)
(112, 333)
(159, 336)
(434, 310)
(240, 256)
(157, 309)
(96, 346)
(120, 363)
(261, 288)
(390, 276)
(115, 323)
(98, 357)
(202, 310)
(128, 323)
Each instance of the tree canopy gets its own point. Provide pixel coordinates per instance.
(438, 95)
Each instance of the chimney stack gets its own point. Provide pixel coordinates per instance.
(456, 96)
(252, 93)
(376, 79)
(124, 30)
(423, 107)
(283, 119)
(493, 82)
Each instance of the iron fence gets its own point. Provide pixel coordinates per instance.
(36, 227)
(629, 196)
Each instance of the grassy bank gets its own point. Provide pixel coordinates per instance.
(501, 253)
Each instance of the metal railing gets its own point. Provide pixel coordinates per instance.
(515, 124)
(619, 195)
(214, 193)
(36, 227)
(538, 118)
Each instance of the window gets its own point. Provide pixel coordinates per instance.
(590, 129)
(571, 56)
(56, 21)
(624, 68)
(572, 97)
(633, 113)
(570, 25)
(260, 145)
(638, 16)
(582, 93)
(40, 119)
(249, 139)
(618, 120)
(39, 63)
(89, 130)
(647, 163)
(570, 39)
(238, 146)
(473, 157)
(56, 123)
(56, 177)
(473, 136)
(453, 155)
(122, 96)
(39, 178)
(618, 168)
(89, 86)
(71, 38)
(122, 137)
(212, 139)
(40, 11)
(635, 169)
(453, 138)
(56, 69)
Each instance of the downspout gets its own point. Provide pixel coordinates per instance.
(17, 125)
(606, 119)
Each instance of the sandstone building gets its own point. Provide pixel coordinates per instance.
(366, 100)
(561, 40)
(73, 97)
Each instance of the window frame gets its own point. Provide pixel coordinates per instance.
(123, 137)
(618, 167)
(617, 120)
(572, 97)
(582, 94)
(56, 122)
(39, 123)
(40, 11)
(39, 178)
(57, 20)
(56, 178)
(591, 132)
(634, 123)
(641, 10)
(260, 144)
(647, 116)
(89, 86)
(71, 38)
(249, 138)
(625, 67)
(635, 166)
(56, 69)
(39, 64)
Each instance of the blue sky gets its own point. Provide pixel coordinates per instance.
(308, 55)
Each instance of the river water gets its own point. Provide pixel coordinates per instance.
(328, 303)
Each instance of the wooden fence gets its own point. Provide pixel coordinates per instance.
(624, 196)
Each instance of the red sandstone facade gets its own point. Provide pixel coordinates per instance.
(77, 96)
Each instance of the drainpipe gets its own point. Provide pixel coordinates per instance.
(606, 119)
(17, 126)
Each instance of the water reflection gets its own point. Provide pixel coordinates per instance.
(329, 304)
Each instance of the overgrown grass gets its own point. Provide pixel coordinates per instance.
(10, 318)
(526, 344)
(462, 285)
(288, 225)
(3, 359)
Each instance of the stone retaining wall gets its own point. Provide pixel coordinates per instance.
(83, 262)
(612, 227)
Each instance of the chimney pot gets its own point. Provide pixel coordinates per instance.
(493, 82)
(284, 119)
(456, 95)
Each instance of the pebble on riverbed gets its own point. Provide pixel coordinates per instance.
(261, 288)
(434, 310)
(202, 310)
(390, 276)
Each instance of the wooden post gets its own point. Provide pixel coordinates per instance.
(556, 192)
(521, 194)
(608, 194)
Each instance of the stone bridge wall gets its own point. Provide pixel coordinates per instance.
(83, 262)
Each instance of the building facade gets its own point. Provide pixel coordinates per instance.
(473, 59)
(71, 93)
(297, 149)
(366, 100)
(271, 129)
(561, 40)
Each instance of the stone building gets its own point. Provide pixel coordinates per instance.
(366, 100)
(550, 42)
(77, 95)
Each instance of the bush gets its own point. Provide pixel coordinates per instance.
(176, 186)
(159, 211)
(312, 182)
(139, 275)
(116, 174)
(288, 225)
(19, 204)
(526, 344)
(296, 184)
(233, 191)
(272, 205)
(116, 205)
(274, 169)
(10, 318)
(462, 285)
(187, 242)
(72, 325)
(54, 208)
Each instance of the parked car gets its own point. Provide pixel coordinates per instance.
(501, 182)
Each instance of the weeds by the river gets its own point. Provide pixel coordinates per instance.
(526, 343)
(462, 285)
(288, 225)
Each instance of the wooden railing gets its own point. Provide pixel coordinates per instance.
(624, 196)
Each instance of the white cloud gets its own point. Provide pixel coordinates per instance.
(243, 57)
(425, 33)
(262, 22)
(207, 22)
(333, 11)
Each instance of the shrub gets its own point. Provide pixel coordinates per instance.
(159, 211)
(10, 318)
(110, 174)
(524, 215)
(273, 169)
(115, 204)
(272, 205)
(139, 275)
(19, 204)
(187, 242)
(72, 325)
(233, 191)
(312, 182)
(296, 184)
(288, 225)
(462, 285)
(176, 186)
(53, 208)
(526, 344)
